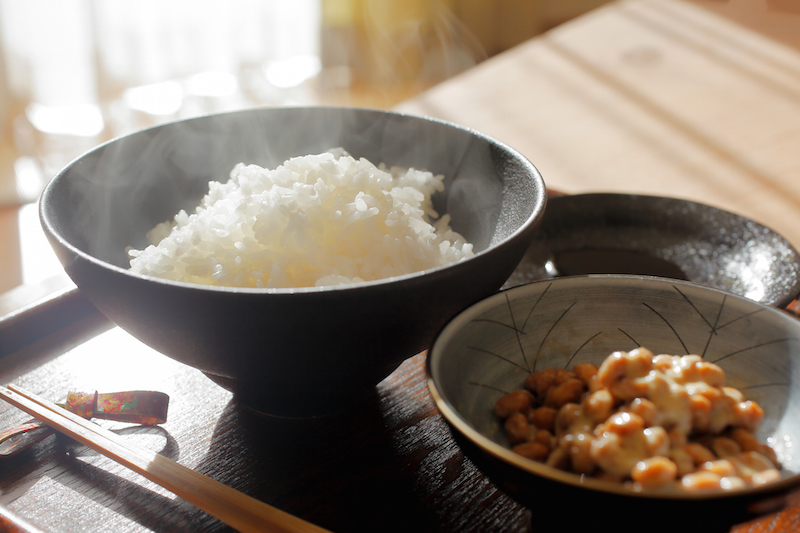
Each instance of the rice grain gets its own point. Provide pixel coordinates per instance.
(316, 220)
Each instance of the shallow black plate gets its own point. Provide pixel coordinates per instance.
(607, 233)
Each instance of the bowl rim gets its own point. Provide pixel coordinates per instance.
(539, 201)
(487, 446)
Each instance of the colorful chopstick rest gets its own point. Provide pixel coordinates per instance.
(16, 439)
(137, 407)
(140, 407)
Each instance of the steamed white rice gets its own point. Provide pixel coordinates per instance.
(316, 220)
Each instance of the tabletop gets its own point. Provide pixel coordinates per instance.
(645, 96)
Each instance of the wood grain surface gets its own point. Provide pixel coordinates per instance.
(387, 465)
(646, 96)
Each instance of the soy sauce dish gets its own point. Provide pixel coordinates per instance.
(609, 233)
(489, 349)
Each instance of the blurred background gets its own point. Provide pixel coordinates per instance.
(75, 73)
(78, 72)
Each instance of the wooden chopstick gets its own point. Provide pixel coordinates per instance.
(236, 509)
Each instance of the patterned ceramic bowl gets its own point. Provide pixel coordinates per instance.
(489, 349)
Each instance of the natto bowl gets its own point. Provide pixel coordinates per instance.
(288, 352)
(489, 348)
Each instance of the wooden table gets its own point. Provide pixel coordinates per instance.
(645, 96)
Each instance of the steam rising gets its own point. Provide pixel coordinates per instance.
(110, 198)
(394, 48)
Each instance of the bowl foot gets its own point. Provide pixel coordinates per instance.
(281, 404)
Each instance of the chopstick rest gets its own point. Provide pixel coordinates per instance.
(137, 407)
(238, 510)
(18, 438)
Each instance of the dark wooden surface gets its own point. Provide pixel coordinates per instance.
(389, 464)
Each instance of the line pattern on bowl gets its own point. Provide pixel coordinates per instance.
(714, 327)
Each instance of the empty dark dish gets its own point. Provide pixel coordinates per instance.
(490, 348)
(607, 233)
(291, 352)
